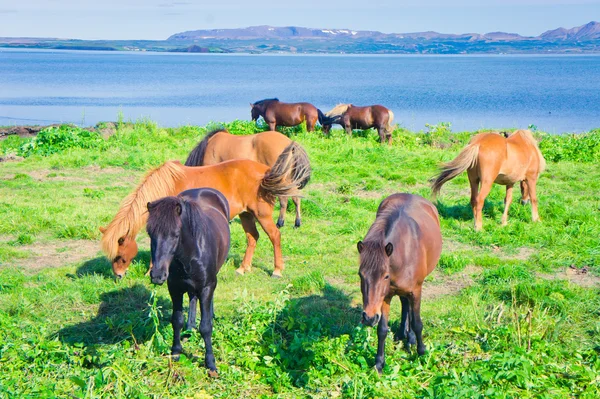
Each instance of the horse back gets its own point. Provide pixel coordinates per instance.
(415, 234)
(267, 146)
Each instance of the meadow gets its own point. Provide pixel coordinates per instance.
(510, 312)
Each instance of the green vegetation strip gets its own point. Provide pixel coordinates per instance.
(501, 316)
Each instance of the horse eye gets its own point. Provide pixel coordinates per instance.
(387, 277)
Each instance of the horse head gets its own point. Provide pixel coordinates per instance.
(374, 274)
(164, 227)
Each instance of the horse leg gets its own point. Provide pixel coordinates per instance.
(298, 216)
(416, 323)
(249, 226)
(283, 203)
(531, 185)
(474, 183)
(406, 335)
(310, 124)
(206, 326)
(381, 132)
(176, 321)
(524, 193)
(348, 128)
(272, 125)
(382, 332)
(486, 186)
(191, 323)
(507, 202)
(264, 218)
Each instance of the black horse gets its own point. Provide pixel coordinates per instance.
(189, 241)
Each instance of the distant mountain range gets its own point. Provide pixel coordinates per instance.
(590, 31)
(292, 39)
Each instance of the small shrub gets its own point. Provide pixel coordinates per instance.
(55, 139)
(573, 147)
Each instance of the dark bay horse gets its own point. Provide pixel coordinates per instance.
(492, 158)
(189, 242)
(220, 145)
(276, 113)
(353, 117)
(401, 248)
(250, 188)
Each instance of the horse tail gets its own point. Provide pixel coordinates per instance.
(389, 127)
(465, 160)
(196, 157)
(290, 173)
(324, 119)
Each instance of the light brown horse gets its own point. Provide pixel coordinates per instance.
(353, 117)
(491, 158)
(250, 188)
(220, 145)
(401, 248)
(276, 113)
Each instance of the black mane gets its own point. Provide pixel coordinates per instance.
(266, 100)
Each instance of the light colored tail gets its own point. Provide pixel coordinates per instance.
(389, 126)
(465, 160)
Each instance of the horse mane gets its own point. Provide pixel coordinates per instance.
(374, 241)
(338, 110)
(131, 216)
(196, 156)
(266, 100)
(528, 136)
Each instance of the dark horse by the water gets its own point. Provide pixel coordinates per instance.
(189, 241)
(401, 248)
(276, 113)
(353, 117)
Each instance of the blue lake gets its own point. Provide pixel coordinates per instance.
(556, 93)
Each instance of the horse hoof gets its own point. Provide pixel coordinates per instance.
(524, 202)
(175, 357)
(239, 271)
(297, 224)
(276, 274)
(213, 374)
(279, 224)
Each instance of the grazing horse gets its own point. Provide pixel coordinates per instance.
(219, 145)
(353, 117)
(492, 158)
(189, 241)
(401, 248)
(276, 113)
(250, 188)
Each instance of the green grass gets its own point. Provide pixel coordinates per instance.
(73, 331)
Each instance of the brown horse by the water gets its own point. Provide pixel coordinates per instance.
(491, 158)
(220, 145)
(250, 188)
(276, 113)
(401, 248)
(353, 117)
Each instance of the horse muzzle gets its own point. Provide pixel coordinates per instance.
(370, 321)
(158, 278)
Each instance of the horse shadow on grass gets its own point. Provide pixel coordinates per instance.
(124, 314)
(305, 328)
(464, 211)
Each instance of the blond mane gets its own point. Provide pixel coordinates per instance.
(132, 214)
(528, 135)
(338, 110)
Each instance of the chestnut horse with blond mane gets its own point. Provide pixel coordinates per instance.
(220, 145)
(250, 188)
(353, 117)
(276, 113)
(491, 158)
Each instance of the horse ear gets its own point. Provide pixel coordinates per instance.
(360, 246)
(102, 229)
(389, 248)
(121, 240)
(251, 105)
(178, 209)
(149, 205)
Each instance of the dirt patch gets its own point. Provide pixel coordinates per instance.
(443, 284)
(578, 276)
(523, 253)
(11, 158)
(450, 246)
(56, 253)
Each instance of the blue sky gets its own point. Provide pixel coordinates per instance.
(158, 19)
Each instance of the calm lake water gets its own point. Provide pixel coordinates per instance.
(556, 93)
